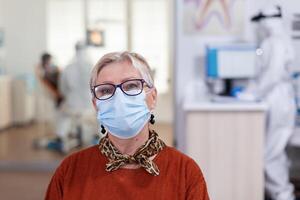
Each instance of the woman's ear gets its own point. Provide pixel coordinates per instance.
(153, 98)
(94, 103)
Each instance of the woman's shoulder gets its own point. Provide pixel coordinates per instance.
(187, 171)
(86, 151)
(83, 158)
(175, 153)
(176, 157)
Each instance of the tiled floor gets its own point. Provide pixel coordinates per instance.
(16, 144)
(24, 171)
(23, 185)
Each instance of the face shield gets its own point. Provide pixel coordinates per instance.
(267, 20)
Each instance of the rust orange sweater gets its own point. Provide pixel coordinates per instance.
(83, 176)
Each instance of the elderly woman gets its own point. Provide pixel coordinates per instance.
(130, 162)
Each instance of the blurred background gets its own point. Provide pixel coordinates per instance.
(203, 53)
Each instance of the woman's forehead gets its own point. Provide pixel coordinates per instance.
(117, 72)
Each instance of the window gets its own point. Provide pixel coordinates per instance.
(108, 16)
(135, 25)
(150, 37)
(65, 26)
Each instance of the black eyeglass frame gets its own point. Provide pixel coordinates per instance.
(144, 83)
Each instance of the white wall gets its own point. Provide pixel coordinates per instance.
(1, 48)
(189, 53)
(25, 34)
(24, 24)
(1, 13)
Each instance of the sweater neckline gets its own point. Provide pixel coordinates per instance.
(156, 159)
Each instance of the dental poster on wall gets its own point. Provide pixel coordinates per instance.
(214, 17)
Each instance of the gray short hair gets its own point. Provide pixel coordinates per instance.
(137, 61)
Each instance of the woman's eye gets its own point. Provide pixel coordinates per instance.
(131, 86)
(106, 91)
(134, 85)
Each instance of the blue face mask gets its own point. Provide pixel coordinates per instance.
(122, 115)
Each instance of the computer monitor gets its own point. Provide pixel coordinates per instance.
(231, 61)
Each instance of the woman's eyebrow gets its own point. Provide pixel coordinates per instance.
(130, 78)
(122, 80)
(106, 82)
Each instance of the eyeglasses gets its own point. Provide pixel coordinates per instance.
(131, 87)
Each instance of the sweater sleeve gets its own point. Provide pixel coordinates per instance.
(55, 189)
(196, 186)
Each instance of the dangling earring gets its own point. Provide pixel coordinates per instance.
(152, 120)
(103, 131)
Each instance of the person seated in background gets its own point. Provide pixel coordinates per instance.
(48, 74)
(130, 161)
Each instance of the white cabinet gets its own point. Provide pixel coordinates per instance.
(5, 102)
(23, 102)
(226, 140)
(17, 105)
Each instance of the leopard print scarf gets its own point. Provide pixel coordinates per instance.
(141, 157)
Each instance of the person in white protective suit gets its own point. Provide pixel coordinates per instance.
(273, 85)
(76, 110)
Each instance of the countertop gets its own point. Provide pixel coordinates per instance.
(223, 104)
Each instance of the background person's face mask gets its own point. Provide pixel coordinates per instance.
(122, 115)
